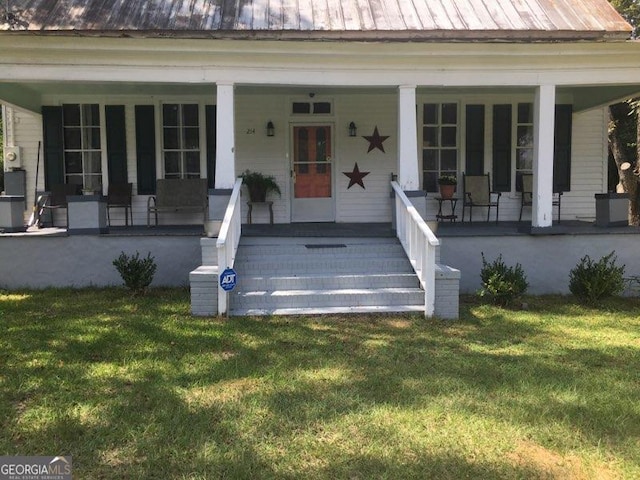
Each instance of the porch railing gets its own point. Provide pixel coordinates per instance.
(419, 243)
(228, 240)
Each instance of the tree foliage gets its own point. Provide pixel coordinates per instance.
(630, 10)
(624, 128)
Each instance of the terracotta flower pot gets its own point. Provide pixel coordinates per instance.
(447, 191)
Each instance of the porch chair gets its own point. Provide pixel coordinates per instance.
(57, 198)
(477, 193)
(119, 196)
(527, 195)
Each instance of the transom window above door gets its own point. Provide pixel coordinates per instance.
(439, 143)
(181, 140)
(82, 149)
(311, 108)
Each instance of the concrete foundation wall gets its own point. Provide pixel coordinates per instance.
(84, 260)
(546, 260)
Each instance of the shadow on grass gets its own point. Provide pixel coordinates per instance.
(130, 386)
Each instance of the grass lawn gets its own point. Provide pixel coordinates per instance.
(135, 388)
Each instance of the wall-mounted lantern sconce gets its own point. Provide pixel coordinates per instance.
(271, 131)
(353, 131)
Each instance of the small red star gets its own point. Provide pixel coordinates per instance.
(375, 140)
(356, 176)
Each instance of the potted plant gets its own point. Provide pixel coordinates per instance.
(259, 185)
(447, 185)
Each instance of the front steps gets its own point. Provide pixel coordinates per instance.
(286, 276)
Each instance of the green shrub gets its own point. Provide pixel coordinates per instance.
(501, 284)
(136, 273)
(591, 281)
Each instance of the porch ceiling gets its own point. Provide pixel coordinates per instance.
(29, 95)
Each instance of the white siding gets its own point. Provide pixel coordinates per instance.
(27, 132)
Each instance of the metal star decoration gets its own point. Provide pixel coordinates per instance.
(375, 140)
(356, 177)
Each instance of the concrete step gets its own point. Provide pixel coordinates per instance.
(292, 265)
(330, 310)
(322, 249)
(325, 281)
(344, 298)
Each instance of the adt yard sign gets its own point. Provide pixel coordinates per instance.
(228, 279)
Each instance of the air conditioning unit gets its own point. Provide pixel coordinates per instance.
(12, 158)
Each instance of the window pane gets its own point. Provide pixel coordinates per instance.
(72, 138)
(449, 136)
(170, 114)
(449, 113)
(171, 163)
(430, 136)
(322, 107)
(71, 115)
(299, 107)
(190, 115)
(525, 159)
(171, 138)
(525, 136)
(430, 112)
(93, 182)
(429, 181)
(92, 162)
(73, 162)
(74, 179)
(192, 161)
(191, 138)
(91, 114)
(91, 139)
(525, 113)
(430, 159)
(449, 160)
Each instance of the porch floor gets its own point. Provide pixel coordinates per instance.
(356, 230)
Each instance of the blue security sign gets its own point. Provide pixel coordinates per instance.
(228, 279)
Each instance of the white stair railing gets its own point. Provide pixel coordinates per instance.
(228, 240)
(419, 243)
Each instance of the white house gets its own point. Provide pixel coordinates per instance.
(132, 92)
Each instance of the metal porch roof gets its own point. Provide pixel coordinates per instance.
(417, 20)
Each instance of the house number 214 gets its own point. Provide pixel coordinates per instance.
(251, 131)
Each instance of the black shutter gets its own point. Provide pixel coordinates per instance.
(562, 149)
(210, 125)
(116, 143)
(475, 140)
(53, 146)
(502, 148)
(146, 149)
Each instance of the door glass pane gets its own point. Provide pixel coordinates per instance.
(449, 160)
(430, 136)
(449, 136)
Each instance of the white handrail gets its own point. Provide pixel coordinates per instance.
(228, 240)
(419, 243)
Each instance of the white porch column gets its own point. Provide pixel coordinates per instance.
(408, 166)
(225, 137)
(225, 151)
(543, 143)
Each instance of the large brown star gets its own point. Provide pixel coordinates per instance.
(356, 176)
(375, 140)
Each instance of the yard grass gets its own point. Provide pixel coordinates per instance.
(135, 388)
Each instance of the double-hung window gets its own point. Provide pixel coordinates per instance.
(439, 143)
(524, 140)
(181, 140)
(82, 152)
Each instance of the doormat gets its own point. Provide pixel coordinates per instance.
(326, 245)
